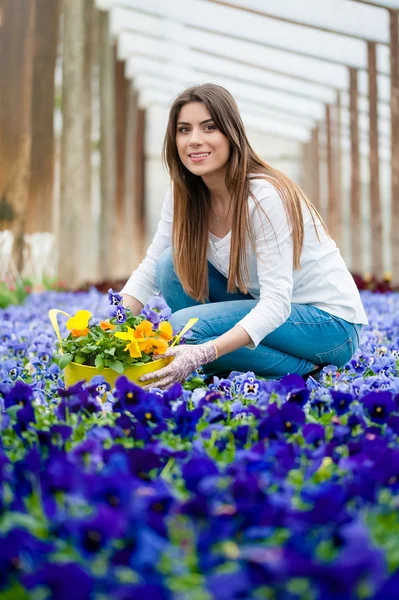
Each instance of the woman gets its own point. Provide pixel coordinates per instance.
(241, 247)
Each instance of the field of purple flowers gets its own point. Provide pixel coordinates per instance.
(243, 489)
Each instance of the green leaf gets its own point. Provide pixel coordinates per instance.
(99, 362)
(18, 519)
(12, 410)
(65, 360)
(79, 359)
(116, 365)
(15, 592)
(89, 348)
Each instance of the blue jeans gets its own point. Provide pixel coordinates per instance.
(309, 338)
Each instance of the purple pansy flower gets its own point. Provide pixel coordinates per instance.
(118, 312)
(379, 406)
(114, 298)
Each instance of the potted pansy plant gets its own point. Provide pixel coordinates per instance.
(121, 343)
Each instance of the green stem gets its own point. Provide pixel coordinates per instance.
(167, 468)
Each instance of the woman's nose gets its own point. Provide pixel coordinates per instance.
(195, 137)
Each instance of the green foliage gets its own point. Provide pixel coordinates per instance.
(13, 295)
(99, 347)
(17, 294)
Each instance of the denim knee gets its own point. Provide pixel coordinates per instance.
(165, 271)
(180, 318)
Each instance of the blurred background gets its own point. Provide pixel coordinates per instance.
(85, 88)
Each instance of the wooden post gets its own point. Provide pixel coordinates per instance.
(122, 87)
(338, 170)
(306, 182)
(394, 50)
(315, 162)
(374, 165)
(129, 247)
(356, 234)
(16, 66)
(139, 159)
(332, 208)
(75, 200)
(107, 147)
(39, 214)
(88, 266)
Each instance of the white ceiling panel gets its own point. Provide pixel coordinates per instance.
(351, 18)
(281, 74)
(235, 54)
(385, 3)
(206, 64)
(262, 30)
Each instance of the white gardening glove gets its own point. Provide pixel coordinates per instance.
(187, 358)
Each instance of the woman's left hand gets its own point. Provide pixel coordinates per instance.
(187, 358)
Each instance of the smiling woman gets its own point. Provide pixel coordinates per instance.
(242, 248)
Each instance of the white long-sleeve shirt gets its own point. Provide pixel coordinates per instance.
(323, 280)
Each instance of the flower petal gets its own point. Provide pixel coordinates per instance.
(165, 330)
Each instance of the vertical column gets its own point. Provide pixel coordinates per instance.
(39, 217)
(88, 267)
(315, 161)
(121, 134)
(356, 234)
(374, 165)
(107, 147)
(75, 146)
(16, 67)
(338, 170)
(394, 49)
(332, 208)
(139, 169)
(306, 182)
(130, 227)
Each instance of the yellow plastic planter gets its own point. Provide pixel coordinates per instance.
(75, 372)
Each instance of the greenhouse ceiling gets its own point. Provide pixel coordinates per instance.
(283, 61)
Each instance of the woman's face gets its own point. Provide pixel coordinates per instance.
(202, 147)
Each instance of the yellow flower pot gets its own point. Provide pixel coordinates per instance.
(74, 372)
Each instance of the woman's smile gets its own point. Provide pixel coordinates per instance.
(199, 156)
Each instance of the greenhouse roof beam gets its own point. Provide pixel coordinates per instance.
(328, 47)
(249, 55)
(140, 44)
(319, 16)
(388, 4)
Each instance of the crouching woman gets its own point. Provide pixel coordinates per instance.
(241, 247)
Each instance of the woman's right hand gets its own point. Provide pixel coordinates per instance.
(132, 303)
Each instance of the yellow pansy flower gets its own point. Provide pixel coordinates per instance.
(144, 330)
(79, 321)
(146, 345)
(165, 330)
(106, 325)
(133, 345)
(160, 346)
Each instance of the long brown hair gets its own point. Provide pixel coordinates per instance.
(192, 199)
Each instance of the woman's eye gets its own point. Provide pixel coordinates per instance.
(207, 127)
